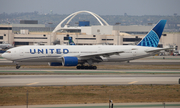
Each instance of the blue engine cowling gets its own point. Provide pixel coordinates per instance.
(70, 61)
(54, 64)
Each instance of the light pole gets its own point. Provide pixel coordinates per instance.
(50, 31)
(8, 31)
(77, 33)
(117, 24)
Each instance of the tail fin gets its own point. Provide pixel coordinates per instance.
(71, 41)
(152, 38)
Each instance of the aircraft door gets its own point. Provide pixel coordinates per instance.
(21, 52)
(99, 48)
(134, 52)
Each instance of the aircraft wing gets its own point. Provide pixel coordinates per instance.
(157, 50)
(104, 54)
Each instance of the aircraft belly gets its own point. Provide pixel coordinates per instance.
(118, 59)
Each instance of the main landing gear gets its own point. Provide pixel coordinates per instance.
(86, 67)
(90, 66)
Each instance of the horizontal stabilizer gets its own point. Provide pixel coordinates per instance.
(158, 50)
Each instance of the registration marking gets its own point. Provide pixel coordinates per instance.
(32, 83)
(133, 82)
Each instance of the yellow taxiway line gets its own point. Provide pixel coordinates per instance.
(133, 82)
(32, 83)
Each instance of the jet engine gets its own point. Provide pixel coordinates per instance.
(70, 61)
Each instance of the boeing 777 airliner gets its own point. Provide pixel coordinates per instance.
(74, 55)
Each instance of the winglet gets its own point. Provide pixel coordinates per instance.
(152, 38)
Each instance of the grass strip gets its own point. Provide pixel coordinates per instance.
(121, 106)
(89, 94)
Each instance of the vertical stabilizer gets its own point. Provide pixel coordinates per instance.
(152, 38)
(71, 42)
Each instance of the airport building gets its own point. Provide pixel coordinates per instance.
(29, 32)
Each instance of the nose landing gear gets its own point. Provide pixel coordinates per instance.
(17, 66)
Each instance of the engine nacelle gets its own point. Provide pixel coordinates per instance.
(70, 61)
(54, 64)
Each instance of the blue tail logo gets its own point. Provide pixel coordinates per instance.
(152, 38)
(71, 41)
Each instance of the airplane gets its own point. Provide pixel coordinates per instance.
(78, 55)
(5, 46)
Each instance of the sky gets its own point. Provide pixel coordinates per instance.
(100, 7)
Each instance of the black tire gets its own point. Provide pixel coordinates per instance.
(17, 67)
(86, 67)
(77, 67)
(81, 67)
(90, 67)
(94, 67)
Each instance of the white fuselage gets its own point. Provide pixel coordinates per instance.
(4, 46)
(55, 53)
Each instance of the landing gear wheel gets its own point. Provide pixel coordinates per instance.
(78, 67)
(81, 67)
(17, 67)
(86, 67)
(94, 67)
(90, 67)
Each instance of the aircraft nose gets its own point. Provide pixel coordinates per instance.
(4, 56)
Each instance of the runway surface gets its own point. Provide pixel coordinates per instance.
(60, 80)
